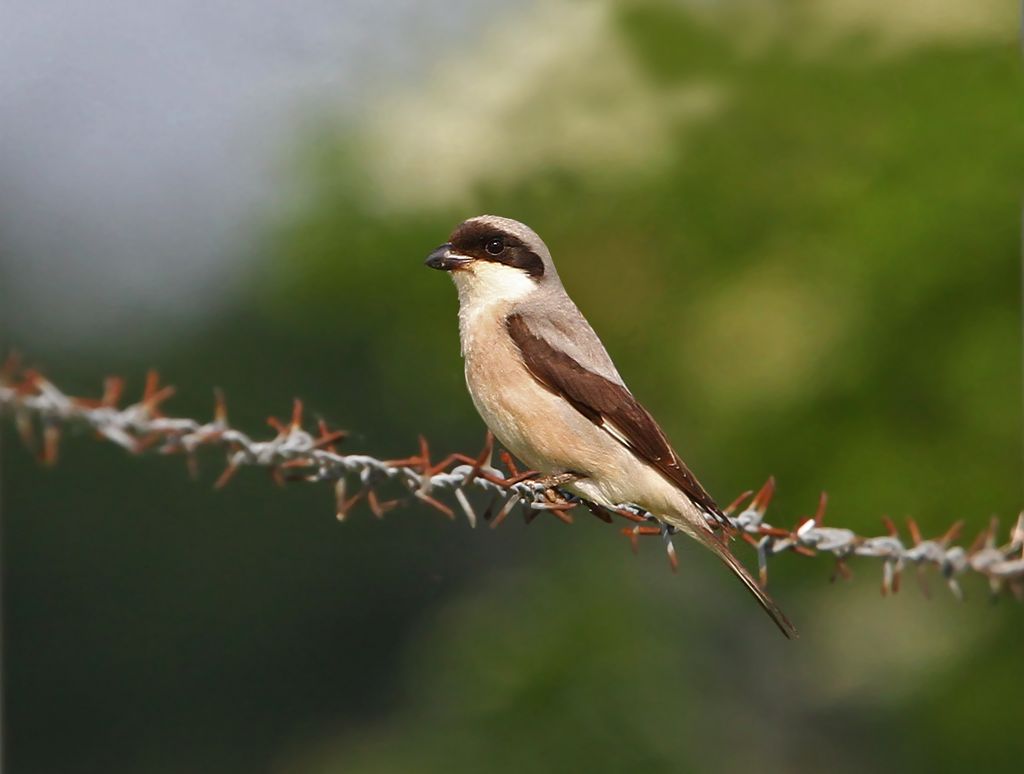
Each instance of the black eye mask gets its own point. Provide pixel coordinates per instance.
(481, 241)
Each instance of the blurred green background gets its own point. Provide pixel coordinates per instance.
(796, 227)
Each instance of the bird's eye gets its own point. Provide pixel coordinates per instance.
(495, 246)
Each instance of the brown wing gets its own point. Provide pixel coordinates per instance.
(608, 404)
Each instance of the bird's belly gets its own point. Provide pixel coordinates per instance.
(530, 422)
(548, 435)
(541, 429)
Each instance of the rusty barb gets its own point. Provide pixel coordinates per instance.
(41, 412)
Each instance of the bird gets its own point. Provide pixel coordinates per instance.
(545, 386)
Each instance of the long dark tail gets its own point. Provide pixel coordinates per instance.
(722, 552)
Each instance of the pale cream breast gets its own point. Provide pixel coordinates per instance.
(527, 419)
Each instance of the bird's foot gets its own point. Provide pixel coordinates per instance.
(549, 483)
(548, 496)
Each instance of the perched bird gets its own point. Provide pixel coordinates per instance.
(543, 383)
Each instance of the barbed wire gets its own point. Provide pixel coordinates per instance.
(41, 412)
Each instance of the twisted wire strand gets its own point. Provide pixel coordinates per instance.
(294, 453)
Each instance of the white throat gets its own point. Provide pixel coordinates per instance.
(487, 289)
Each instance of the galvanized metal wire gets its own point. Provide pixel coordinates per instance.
(41, 412)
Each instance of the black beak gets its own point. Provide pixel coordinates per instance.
(442, 258)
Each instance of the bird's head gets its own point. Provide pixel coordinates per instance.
(494, 259)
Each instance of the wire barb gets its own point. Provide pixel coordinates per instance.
(40, 410)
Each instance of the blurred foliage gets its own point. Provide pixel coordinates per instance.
(805, 261)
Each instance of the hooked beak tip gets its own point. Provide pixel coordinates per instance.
(443, 259)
